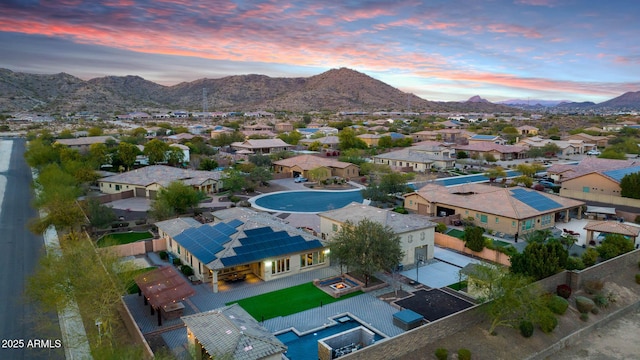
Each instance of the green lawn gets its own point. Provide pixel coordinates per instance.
(287, 301)
(132, 287)
(459, 285)
(456, 233)
(123, 238)
(500, 243)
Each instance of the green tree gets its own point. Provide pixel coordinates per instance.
(292, 137)
(366, 247)
(394, 182)
(535, 152)
(156, 151)
(260, 160)
(540, 260)
(614, 245)
(474, 238)
(95, 131)
(260, 175)
(40, 153)
(550, 149)
(354, 156)
(320, 173)
(127, 154)
(225, 139)
(488, 157)
(494, 173)
(385, 142)
(315, 146)
(233, 180)
(207, 164)
(462, 155)
(524, 180)
(180, 197)
(65, 134)
(611, 153)
(630, 186)
(349, 140)
(99, 155)
(175, 156)
(100, 216)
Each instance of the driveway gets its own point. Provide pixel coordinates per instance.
(443, 270)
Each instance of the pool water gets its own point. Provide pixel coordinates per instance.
(309, 201)
(302, 347)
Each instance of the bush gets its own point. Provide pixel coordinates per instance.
(563, 290)
(464, 354)
(401, 210)
(601, 301)
(441, 228)
(526, 328)
(584, 316)
(593, 286)
(177, 262)
(589, 257)
(186, 270)
(547, 323)
(637, 278)
(584, 304)
(595, 310)
(574, 263)
(163, 255)
(558, 305)
(234, 199)
(442, 354)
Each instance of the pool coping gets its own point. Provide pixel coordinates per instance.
(332, 322)
(252, 200)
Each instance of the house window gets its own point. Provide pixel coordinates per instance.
(545, 220)
(280, 266)
(334, 227)
(483, 219)
(513, 224)
(410, 202)
(312, 258)
(117, 187)
(585, 189)
(109, 185)
(497, 220)
(178, 249)
(528, 224)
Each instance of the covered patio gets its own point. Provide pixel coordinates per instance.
(611, 227)
(164, 289)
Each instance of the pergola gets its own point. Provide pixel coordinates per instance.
(163, 288)
(611, 227)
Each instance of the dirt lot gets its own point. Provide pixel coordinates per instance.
(616, 340)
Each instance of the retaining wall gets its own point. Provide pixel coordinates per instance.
(454, 243)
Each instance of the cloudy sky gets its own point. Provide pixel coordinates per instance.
(579, 50)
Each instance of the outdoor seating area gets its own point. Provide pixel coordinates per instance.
(337, 286)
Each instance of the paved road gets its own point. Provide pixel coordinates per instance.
(19, 252)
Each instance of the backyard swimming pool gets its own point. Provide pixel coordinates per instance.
(306, 201)
(304, 346)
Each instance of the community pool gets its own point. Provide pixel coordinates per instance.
(304, 346)
(306, 201)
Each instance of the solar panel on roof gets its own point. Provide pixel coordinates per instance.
(235, 223)
(620, 173)
(258, 231)
(535, 200)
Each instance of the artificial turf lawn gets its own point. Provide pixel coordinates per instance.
(123, 238)
(456, 233)
(287, 301)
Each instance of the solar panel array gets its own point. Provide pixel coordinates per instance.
(535, 200)
(205, 241)
(620, 173)
(264, 243)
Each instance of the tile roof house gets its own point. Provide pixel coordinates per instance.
(147, 181)
(416, 234)
(496, 139)
(420, 158)
(567, 147)
(83, 144)
(261, 146)
(506, 210)
(330, 142)
(242, 242)
(527, 130)
(600, 141)
(230, 332)
(595, 179)
(304, 164)
(500, 152)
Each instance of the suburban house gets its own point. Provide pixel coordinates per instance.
(284, 126)
(261, 146)
(495, 139)
(83, 144)
(258, 129)
(242, 243)
(311, 131)
(500, 152)
(506, 210)
(231, 332)
(372, 139)
(327, 142)
(180, 137)
(527, 130)
(600, 141)
(420, 158)
(147, 181)
(219, 130)
(425, 135)
(567, 147)
(457, 136)
(416, 234)
(595, 179)
(303, 165)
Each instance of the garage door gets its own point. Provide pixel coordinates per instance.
(141, 192)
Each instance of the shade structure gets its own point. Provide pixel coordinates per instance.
(164, 286)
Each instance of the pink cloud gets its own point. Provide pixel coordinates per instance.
(547, 3)
(513, 30)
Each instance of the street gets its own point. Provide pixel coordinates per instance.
(19, 253)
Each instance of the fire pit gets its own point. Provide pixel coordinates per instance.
(340, 286)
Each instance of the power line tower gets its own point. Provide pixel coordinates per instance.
(205, 104)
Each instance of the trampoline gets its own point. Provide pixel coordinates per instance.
(306, 201)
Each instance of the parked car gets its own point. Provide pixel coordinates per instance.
(593, 152)
(547, 184)
(300, 179)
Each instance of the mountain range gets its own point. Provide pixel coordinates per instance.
(334, 90)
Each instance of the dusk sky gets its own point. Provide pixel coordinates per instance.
(578, 50)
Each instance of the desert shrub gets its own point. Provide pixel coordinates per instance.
(177, 262)
(163, 255)
(637, 278)
(464, 354)
(401, 210)
(441, 228)
(442, 353)
(558, 305)
(593, 286)
(584, 304)
(563, 290)
(575, 263)
(186, 270)
(595, 310)
(601, 301)
(584, 316)
(234, 199)
(589, 257)
(526, 328)
(547, 322)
